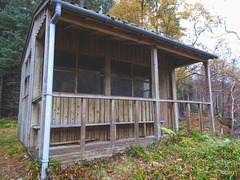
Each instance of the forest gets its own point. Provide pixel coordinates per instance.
(190, 23)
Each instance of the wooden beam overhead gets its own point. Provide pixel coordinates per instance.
(132, 36)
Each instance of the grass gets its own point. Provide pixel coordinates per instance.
(13, 157)
(8, 123)
(188, 155)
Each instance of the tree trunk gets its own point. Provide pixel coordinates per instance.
(1, 84)
(81, 3)
(232, 109)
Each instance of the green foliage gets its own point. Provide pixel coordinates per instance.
(168, 131)
(196, 135)
(14, 150)
(102, 6)
(15, 16)
(136, 150)
(34, 168)
(8, 139)
(193, 154)
(8, 123)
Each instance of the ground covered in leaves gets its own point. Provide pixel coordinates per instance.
(13, 157)
(184, 156)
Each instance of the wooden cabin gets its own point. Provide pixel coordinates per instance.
(113, 84)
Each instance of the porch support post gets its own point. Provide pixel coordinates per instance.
(112, 124)
(155, 91)
(209, 94)
(175, 105)
(83, 125)
(136, 124)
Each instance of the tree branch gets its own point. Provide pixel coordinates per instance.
(231, 32)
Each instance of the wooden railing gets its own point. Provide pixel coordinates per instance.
(108, 111)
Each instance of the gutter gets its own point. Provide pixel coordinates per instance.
(48, 94)
(109, 20)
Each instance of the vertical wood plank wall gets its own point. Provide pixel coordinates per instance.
(165, 90)
(68, 110)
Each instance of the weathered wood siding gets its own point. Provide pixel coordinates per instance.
(165, 90)
(95, 45)
(68, 111)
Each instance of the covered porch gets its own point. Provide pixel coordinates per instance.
(113, 84)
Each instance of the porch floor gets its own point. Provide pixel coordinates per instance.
(68, 154)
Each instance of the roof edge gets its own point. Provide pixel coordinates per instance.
(42, 4)
(130, 27)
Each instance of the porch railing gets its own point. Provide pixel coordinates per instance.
(140, 111)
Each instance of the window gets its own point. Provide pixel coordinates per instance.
(27, 76)
(130, 80)
(90, 74)
(77, 73)
(64, 71)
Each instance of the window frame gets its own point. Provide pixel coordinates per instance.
(76, 71)
(132, 78)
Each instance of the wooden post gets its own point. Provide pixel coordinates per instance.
(175, 105)
(83, 125)
(209, 94)
(136, 124)
(155, 91)
(200, 118)
(144, 129)
(107, 81)
(188, 117)
(44, 82)
(112, 124)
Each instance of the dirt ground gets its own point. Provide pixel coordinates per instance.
(13, 157)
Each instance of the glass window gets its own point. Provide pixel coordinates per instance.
(142, 89)
(63, 81)
(141, 72)
(90, 84)
(90, 64)
(64, 60)
(89, 73)
(120, 69)
(130, 80)
(121, 87)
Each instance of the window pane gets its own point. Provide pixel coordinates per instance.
(90, 64)
(141, 72)
(141, 89)
(121, 87)
(90, 84)
(64, 60)
(63, 82)
(120, 69)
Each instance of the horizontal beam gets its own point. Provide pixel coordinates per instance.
(72, 95)
(36, 127)
(128, 35)
(37, 99)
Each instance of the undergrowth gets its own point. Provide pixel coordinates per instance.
(186, 156)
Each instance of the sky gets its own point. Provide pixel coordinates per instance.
(229, 10)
